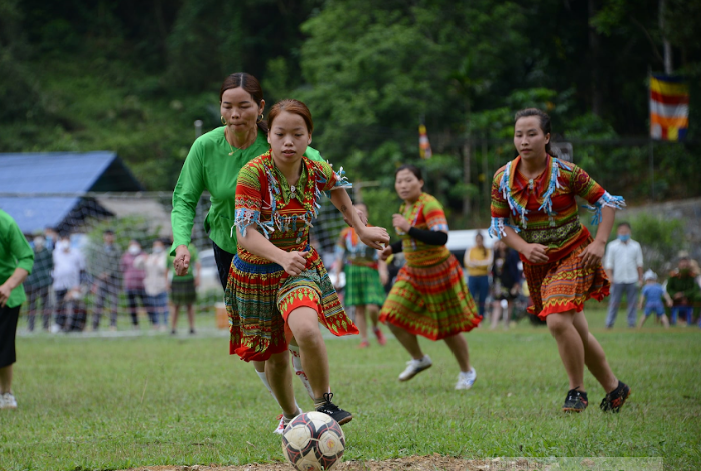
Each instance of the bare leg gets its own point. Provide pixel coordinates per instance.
(374, 313)
(643, 318)
(304, 325)
(496, 314)
(6, 379)
(191, 316)
(176, 311)
(594, 356)
(458, 345)
(279, 376)
(408, 341)
(570, 346)
(665, 321)
(507, 314)
(361, 322)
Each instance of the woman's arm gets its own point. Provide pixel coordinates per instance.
(534, 253)
(258, 244)
(592, 254)
(371, 236)
(16, 279)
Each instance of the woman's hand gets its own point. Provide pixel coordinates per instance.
(385, 253)
(294, 262)
(361, 216)
(400, 223)
(182, 260)
(375, 237)
(593, 253)
(536, 253)
(5, 292)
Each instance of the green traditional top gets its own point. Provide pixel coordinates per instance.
(209, 167)
(15, 252)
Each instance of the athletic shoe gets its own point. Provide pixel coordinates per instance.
(8, 401)
(192, 331)
(281, 426)
(363, 344)
(616, 398)
(414, 367)
(380, 336)
(576, 401)
(466, 379)
(336, 413)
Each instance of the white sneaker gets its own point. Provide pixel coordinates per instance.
(8, 401)
(466, 380)
(414, 367)
(281, 426)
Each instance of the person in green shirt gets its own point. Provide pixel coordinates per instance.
(213, 164)
(183, 290)
(16, 262)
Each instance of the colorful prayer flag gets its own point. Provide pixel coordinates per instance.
(424, 145)
(669, 107)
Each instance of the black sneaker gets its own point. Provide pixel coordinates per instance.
(332, 410)
(616, 398)
(576, 401)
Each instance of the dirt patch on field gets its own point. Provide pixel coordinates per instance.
(412, 463)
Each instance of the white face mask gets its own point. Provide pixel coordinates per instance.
(157, 249)
(134, 249)
(63, 245)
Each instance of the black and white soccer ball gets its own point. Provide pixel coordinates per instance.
(313, 441)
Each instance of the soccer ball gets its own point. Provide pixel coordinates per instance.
(313, 442)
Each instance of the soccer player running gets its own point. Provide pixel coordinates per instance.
(278, 286)
(430, 297)
(562, 263)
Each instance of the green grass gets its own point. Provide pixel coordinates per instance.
(115, 403)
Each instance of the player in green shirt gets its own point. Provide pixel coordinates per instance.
(16, 262)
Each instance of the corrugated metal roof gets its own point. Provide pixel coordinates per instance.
(51, 172)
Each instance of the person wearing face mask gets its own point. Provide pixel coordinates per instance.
(68, 263)
(133, 280)
(38, 283)
(624, 267)
(684, 291)
(155, 265)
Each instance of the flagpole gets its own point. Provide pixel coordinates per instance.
(651, 150)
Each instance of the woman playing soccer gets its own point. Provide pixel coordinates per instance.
(562, 263)
(278, 287)
(365, 277)
(430, 297)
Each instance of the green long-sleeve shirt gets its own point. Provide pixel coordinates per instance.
(685, 284)
(209, 167)
(15, 252)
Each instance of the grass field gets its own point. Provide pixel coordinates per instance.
(116, 403)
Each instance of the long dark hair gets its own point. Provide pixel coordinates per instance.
(249, 83)
(544, 122)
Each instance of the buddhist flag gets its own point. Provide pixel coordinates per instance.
(424, 145)
(669, 108)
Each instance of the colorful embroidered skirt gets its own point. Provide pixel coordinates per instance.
(564, 285)
(432, 301)
(259, 298)
(363, 286)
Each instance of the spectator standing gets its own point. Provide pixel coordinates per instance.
(624, 267)
(107, 284)
(68, 263)
(183, 290)
(16, 260)
(133, 280)
(478, 261)
(38, 284)
(506, 282)
(684, 291)
(155, 266)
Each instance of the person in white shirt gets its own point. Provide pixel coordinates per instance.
(68, 263)
(624, 267)
(156, 283)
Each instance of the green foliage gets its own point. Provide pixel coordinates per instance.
(153, 399)
(661, 240)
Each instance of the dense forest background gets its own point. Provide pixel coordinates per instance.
(133, 76)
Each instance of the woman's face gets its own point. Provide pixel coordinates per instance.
(479, 240)
(288, 138)
(239, 110)
(407, 185)
(529, 138)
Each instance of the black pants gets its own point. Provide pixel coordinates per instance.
(8, 329)
(223, 260)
